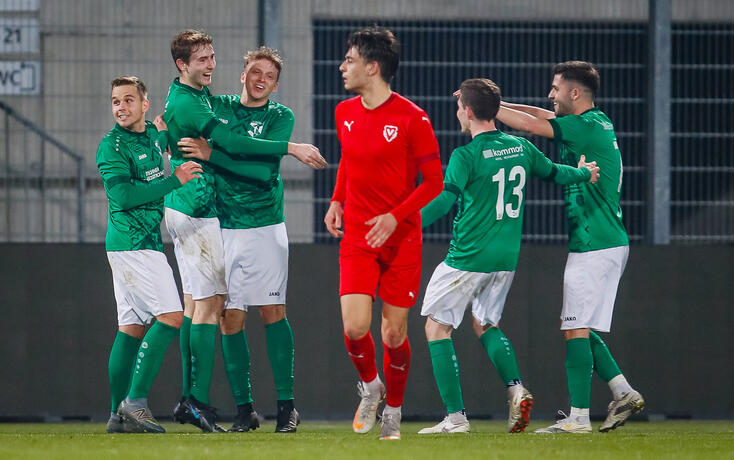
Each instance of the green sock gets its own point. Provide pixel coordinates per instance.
(604, 363)
(236, 355)
(446, 373)
(502, 354)
(279, 339)
(579, 364)
(203, 347)
(150, 357)
(120, 367)
(183, 340)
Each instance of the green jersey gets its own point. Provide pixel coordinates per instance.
(131, 165)
(188, 113)
(488, 177)
(593, 211)
(244, 202)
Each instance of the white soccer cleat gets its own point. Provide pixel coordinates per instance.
(390, 423)
(620, 410)
(568, 425)
(520, 406)
(366, 415)
(452, 423)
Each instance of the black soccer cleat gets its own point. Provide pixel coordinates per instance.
(202, 416)
(245, 420)
(288, 418)
(182, 415)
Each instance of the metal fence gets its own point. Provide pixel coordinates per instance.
(439, 55)
(40, 198)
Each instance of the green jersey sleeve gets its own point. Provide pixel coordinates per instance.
(456, 178)
(542, 167)
(572, 130)
(240, 166)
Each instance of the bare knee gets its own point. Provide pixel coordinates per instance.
(393, 335)
(356, 331)
(479, 330)
(174, 319)
(232, 322)
(272, 313)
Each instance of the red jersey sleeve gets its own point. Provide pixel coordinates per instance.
(340, 187)
(424, 150)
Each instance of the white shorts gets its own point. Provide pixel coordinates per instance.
(144, 286)
(590, 287)
(256, 265)
(200, 254)
(450, 292)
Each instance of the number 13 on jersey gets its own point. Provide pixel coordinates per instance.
(516, 173)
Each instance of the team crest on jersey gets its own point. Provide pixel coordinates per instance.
(390, 132)
(257, 129)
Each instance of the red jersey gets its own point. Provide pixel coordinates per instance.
(382, 151)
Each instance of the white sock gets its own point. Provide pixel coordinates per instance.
(619, 386)
(579, 413)
(458, 418)
(514, 390)
(389, 409)
(374, 385)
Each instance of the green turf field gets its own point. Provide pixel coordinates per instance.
(664, 440)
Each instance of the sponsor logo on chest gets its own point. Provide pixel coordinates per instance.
(390, 132)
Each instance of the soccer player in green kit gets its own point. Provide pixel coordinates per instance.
(597, 240)
(487, 177)
(192, 221)
(254, 234)
(130, 162)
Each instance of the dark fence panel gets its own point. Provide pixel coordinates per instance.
(672, 329)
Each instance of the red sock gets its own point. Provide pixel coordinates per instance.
(396, 364)
(362, 352)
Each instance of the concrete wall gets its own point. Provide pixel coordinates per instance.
(671, 336)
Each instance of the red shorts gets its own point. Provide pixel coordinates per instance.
(393, 272)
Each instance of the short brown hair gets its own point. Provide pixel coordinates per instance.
(132, 81)
(185, 43)
(483, 96)
(581, 72)
(265, 53)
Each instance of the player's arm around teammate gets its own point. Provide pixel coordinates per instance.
(254, 236)
(130, 162)
(598, 242)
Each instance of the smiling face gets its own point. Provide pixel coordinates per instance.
(562, 94)
(197, 73)
(129, 107)
(355, 70)
(260, 79)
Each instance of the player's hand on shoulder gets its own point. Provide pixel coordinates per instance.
(383, 226)
(187, 171)
(195, 148)
(160, 125)
(333, 219)
(591, 167)
(307, 154)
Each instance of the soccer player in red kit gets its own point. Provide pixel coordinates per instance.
(386, 140)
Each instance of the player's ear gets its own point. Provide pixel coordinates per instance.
(243, 77)
(146, 105)
(180, 64)
(373, 68)
(275, 88)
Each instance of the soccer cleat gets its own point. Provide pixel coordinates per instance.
(288, 418)
(520, 406)
(114, 424)
(568, 425)
(366, 415)
(204, 416)
(139, 416)
(452, 423)
(245, 420)
(620, 410)
(390, 424)
(182, 415)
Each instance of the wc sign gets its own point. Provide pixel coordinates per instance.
(20, 78)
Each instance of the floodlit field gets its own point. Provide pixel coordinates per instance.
(665, 440)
